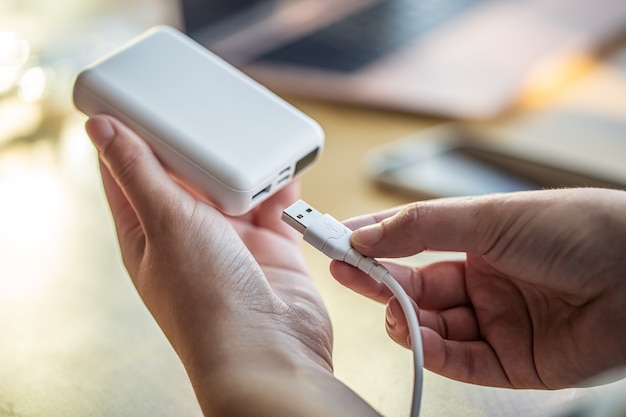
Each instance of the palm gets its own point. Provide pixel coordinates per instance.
(277, 250)
(504, 323)
(531, 329)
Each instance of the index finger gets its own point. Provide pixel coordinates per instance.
(436, 286)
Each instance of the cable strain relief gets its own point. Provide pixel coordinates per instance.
(352, 257)
(372, 268)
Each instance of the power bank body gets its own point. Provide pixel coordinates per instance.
(215, 129)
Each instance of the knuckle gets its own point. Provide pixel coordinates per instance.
(125, 169)
(400, 234)
(416, 284)
(399, 334)
(406, 219)
(168, 222)
(410, 214)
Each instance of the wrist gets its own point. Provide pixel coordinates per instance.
(277, 385)
(260, 370)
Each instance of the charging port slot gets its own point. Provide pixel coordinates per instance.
(306, 161)
(262, 192)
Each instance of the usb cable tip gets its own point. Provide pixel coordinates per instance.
(300, 215)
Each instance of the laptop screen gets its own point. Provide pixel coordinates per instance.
(200, 15)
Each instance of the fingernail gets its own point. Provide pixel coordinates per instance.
(390, 318)
(367, 236)
(100, 131)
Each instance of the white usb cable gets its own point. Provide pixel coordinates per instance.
(332, 238)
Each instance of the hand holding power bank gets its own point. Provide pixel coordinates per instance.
(214, 128)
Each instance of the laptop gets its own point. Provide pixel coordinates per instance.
(464, 59)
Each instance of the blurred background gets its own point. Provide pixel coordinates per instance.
(76, 340)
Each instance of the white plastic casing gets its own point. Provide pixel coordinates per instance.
(214, 128)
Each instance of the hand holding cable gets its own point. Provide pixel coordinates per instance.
(332, 238)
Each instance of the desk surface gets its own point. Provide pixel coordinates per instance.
(75, 339)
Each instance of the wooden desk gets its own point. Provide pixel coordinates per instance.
(76, 339)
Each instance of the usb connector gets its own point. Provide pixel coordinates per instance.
(300, 215)
(330, 237)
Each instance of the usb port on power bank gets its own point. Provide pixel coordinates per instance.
(261, 193)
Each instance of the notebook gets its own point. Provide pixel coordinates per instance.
(465, 59)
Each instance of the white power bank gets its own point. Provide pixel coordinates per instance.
(214, 128)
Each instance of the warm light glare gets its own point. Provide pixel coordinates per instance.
(34, 211)
(19, 118)
(32, 85)
(78, 154)
(548, 81)
(14, 53)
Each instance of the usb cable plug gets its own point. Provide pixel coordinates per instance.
(330, 237)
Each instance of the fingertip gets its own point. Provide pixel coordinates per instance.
(390, 317)
(342, 272)
(356, 280)
(434, 349)
(396, 323)
(367, 237)
(100, 130)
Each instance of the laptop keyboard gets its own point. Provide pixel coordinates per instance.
(365, 36)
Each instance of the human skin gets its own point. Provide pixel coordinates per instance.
(232, 295)
(538, 302)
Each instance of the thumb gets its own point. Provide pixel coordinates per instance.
(460, 224)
